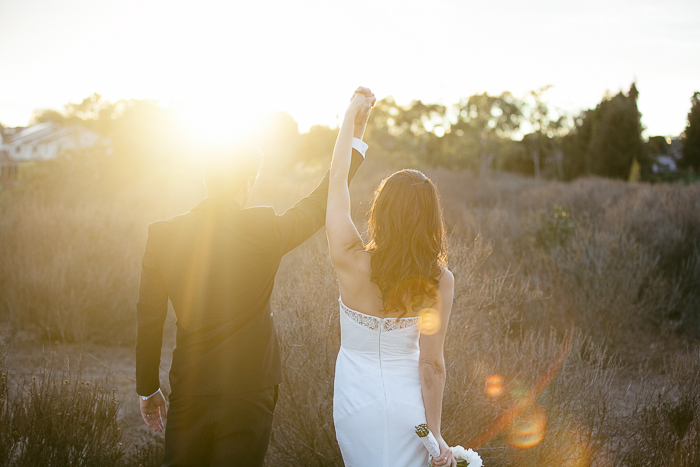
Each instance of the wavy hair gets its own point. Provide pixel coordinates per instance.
(407, 241)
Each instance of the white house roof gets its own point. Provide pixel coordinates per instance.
(39, 133)
(666, 161)
(47, 140)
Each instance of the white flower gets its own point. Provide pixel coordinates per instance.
(458, 452)
(472, 458)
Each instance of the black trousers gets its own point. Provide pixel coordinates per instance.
(222, 430)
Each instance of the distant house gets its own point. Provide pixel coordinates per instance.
(41, 142)
(664, 164)
(665, 153)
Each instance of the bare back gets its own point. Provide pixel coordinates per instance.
(361, 294)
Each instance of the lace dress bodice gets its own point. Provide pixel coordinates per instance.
(378, 324)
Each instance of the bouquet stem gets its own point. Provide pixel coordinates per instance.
(428, 440)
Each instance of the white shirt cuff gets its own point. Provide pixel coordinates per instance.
(360, 146)
(148, 397)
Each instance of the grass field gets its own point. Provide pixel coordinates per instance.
(620, 261)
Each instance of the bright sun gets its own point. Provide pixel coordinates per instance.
(217, 124)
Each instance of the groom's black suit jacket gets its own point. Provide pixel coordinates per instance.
(217, 265)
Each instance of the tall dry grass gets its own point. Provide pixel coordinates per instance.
(621, 260)
(56, 418)
(501, 325)
(663, 427)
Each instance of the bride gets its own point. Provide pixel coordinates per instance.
(390, 371)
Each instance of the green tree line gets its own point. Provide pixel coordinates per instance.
(483, 133)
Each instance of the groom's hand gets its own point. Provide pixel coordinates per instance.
(362, 116)
(153, 412)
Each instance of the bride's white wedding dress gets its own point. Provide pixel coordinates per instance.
(377, 399)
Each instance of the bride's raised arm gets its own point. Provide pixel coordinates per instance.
(343, 237)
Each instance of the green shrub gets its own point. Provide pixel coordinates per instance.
(556, 227)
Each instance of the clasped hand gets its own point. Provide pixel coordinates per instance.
(446, 457)
(360, 105)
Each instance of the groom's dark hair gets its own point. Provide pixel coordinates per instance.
(228, 168)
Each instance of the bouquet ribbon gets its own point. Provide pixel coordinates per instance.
(461, 455)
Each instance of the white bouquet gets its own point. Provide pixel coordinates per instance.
(461, 455)
(470, 457)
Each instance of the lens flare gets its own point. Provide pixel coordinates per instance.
(494, 385)
(430, 322)
(529, 429)
(526, 398)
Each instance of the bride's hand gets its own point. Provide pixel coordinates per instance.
(446, 457)
(361, 99)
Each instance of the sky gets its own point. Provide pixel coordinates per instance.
(223, 63)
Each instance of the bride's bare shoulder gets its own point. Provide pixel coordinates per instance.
(446, 281)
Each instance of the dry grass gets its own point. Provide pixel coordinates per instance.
(622, 259)
(664, 426)
(500, 326)
(59, 420)
(56, 418)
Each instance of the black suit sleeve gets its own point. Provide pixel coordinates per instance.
(305, 218)
(151, 310)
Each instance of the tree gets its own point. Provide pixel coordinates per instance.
(419, 121)
(316, 146)
(407, 133)
(691, 136)
(47, 115)
(657, 145)
(93, 112)
(606, 140)
(145, 138)
(381, 130)
(544, 128)
(618, 142)
(483, 123)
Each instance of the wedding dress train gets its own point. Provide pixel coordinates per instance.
(377, 400)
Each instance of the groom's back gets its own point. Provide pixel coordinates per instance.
(218, 265)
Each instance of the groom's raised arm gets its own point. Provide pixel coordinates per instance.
(306, 217)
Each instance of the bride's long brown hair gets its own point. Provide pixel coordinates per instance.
(407, 241)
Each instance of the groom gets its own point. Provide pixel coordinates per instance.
(217, 265)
